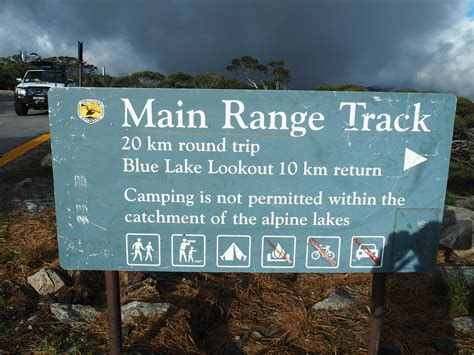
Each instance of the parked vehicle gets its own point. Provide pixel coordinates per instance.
(32, 91)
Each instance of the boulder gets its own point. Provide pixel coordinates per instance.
(47, 161)
(256, 335)
(465, 256)
(46, 281)
(462, 271)
(464, 324)
(465, 202)
(457, 236)
(30, 205)
(137, 309)
(337, 300)
(449, 216)
(454, 214)
(77, 315)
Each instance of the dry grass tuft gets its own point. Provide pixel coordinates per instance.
(31, 243)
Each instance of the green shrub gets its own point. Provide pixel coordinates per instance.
(450, 199)
(61, 340)
(458, 294)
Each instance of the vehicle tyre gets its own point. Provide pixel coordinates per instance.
(315, 255)
(332, 254)
(20, 109)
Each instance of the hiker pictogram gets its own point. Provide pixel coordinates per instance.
(137, 249)
(188, 250)
(149, 249)
(143, 249)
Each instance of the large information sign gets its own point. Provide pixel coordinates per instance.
(246, 181)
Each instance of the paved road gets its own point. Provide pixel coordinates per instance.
(16, 130)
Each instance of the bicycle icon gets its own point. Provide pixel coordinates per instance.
(323, 252)
(315, 255)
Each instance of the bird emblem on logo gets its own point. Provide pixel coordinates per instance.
(90, 111)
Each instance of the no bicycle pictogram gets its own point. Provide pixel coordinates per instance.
(323, 251)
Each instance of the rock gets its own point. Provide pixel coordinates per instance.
(137, 309)
(464, 324)
(446, 346)
(459, 213)
(465, 272)
(256, 335)
(24, 182)
(465, 256)
(45, 281)
(449, 216)
(336, 300)
(466, 217)
(47, 162)
(457, 236)
(78, 315)
(465, 202)
(30, 205)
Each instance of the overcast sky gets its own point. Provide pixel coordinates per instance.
(421, 44)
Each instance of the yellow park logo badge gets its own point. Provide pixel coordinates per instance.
(90, 111)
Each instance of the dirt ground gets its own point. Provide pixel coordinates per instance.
(212, 313)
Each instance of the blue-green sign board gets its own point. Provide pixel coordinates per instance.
(249, 181)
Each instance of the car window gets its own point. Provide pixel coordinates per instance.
(48, 76)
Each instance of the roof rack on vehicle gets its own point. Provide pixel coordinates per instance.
(35, 61)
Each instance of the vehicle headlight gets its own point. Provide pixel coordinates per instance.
(20, 91)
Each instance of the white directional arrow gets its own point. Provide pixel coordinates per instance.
(412, 159)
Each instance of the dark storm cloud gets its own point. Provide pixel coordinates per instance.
(370, 42)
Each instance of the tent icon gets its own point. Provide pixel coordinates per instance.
(232, 253)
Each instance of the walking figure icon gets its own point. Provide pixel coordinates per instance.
(137, 249)
(143, 249)
(188, 250)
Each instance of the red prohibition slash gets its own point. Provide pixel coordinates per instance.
(281, 253)
(367, 251)
(320, 249)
